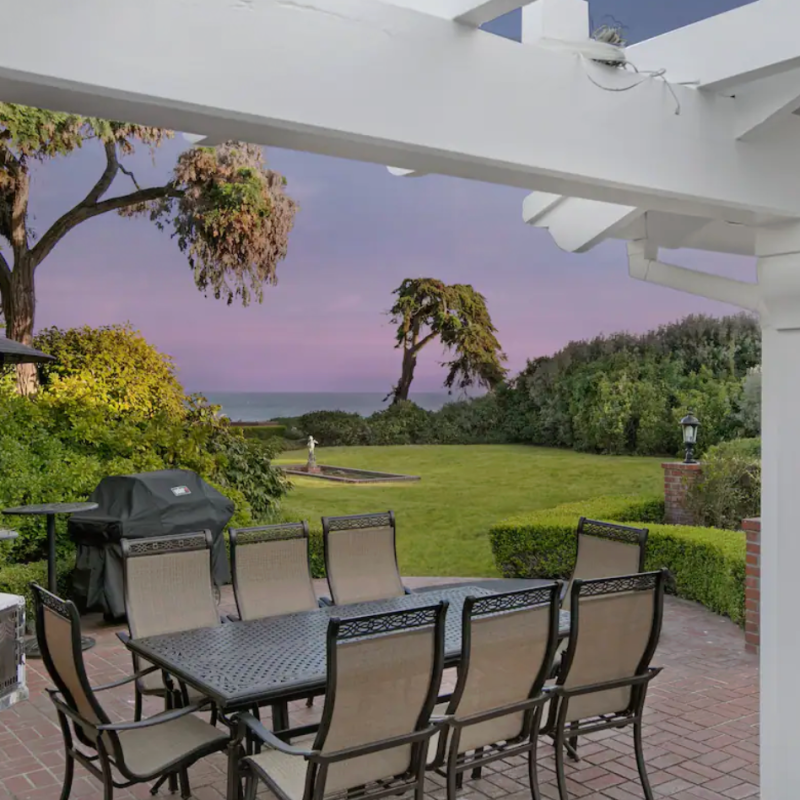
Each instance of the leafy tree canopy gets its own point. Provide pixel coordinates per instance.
(426, 309)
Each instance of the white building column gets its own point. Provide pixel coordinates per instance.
(779, 279)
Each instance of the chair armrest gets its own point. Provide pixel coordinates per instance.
(233, 618)
(325, 601)
(124, 637)
(226, 618)
(126, 679)
(249, 724)
(158, 719)
(407, 590)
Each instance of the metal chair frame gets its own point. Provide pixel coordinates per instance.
(565, 733)
(108, 750)
(254, 734)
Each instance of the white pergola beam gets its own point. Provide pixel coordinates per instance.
(575, 224)
(473, 13)
(761, 105)
(747, 43)
(370, 81)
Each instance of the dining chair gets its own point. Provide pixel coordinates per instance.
(166, 744)
(361, 558)
(168, 589)
(615, 624)
(271, 576)
(508, 643)
(383, 673)
(271, 570)
(604, 550)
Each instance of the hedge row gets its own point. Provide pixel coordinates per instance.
(708, 564)
(17, 579)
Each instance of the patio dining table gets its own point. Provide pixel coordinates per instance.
(239, 665)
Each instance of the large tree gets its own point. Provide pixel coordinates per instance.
(230, 214)
(427, 309)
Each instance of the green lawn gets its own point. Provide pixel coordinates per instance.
(442, 520)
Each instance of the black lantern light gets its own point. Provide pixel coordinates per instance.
(690, 425)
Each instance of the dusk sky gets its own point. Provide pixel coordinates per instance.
(358, 234)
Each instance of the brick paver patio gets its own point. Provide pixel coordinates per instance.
(701, 732)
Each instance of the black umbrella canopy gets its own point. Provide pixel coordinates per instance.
(12, 352)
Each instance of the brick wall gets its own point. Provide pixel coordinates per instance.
(677, 479)
(752, 591)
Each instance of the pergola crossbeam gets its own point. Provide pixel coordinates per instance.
(473, 13)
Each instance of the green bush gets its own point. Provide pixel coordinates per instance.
(17, 579)
(261, 433)
(58, 445)
(335, 428)
(729, 487)
(707, 564)
(401, 423)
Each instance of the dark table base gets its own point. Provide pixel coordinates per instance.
(32, 646)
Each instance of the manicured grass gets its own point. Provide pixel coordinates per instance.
(443, 520)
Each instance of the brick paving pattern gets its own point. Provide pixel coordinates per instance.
(701, 731)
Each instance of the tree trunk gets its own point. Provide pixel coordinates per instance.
(407, 375)
(19, 306)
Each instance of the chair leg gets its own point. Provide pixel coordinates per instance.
(69, 772)
(309, 701)
(561, 778)
(108, 778)
(250, 786)
(137, 705)
(476, 772)
(183, 777)
(637, 746)
(533, 767)
(158, 784)
(453, 783)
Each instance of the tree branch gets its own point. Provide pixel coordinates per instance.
(80, 213)
(5, 271)
(419, 345)
(107, 178)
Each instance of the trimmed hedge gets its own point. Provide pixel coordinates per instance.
(707, 564)
(17, 579)
(262, 433)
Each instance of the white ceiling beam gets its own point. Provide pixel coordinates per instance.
(369, 81)
(473, 13)
(763, 104)
(747, 43)
(575, 224)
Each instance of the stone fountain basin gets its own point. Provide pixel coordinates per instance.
(326, 472)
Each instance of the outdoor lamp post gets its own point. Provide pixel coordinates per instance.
(690, 425)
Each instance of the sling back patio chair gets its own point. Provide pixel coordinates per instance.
(508, 645)
(615, 625)
(271, 576)
(137, 752)
(383, 672)
(168, 589)
(605, 550)
(361, 558)
(271, 570)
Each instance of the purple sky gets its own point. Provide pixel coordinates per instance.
(358, 234)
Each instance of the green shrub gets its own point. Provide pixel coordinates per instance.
(335, 428)
(262, 433)
(707, 564)
(17, 579)
(729, 487)
(401, 423)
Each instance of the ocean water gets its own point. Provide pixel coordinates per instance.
(263, 406)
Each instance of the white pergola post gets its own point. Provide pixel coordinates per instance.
(779, 279)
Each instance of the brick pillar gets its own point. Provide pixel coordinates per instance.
(752, 588)
(678, 477)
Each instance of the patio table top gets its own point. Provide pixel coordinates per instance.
(240, 664)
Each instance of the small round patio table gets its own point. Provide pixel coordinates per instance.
(50, 510)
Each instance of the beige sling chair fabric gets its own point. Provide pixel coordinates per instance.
(606, 550)
(383, 674)
(138, 753)
(271, 573)
(168, 588)
(360, 558)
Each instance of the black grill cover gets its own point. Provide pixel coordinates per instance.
(138, 507)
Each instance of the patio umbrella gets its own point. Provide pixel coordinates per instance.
(12, 352)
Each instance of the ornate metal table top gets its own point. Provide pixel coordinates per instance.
(238, 664)
(52, 508)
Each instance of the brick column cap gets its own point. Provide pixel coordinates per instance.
(752, 524)
(681, 465)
